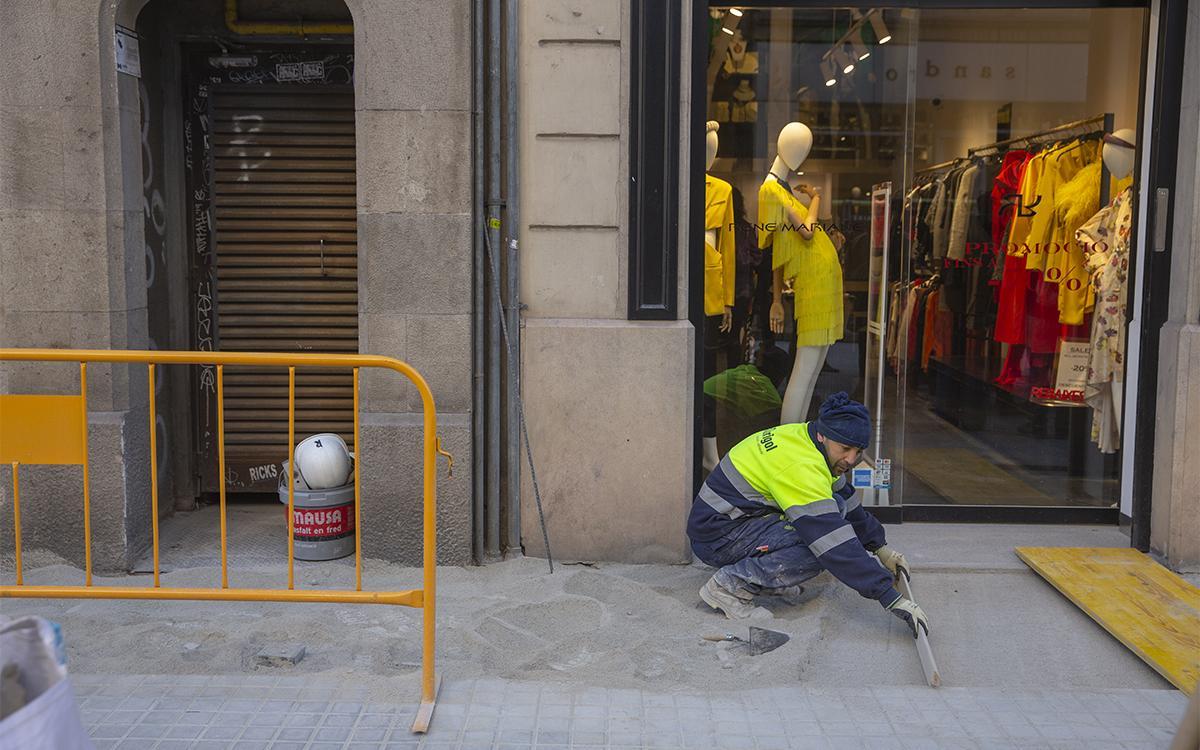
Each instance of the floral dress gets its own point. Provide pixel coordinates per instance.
(1105, 239)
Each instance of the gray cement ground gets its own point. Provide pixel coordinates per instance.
(995, 624)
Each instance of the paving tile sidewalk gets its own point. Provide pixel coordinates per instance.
(257, 712)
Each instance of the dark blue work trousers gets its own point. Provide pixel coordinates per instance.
(759, 553)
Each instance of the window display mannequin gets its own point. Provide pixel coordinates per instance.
(720, 265)
(1117, 157)
(1106, 240)
(803, 253)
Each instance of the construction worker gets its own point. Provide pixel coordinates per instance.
(778, 509)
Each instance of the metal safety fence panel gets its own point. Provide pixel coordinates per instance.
(53, 429)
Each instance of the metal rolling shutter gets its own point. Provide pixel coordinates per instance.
(287, 263)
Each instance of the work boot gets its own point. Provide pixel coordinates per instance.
(736, 606)
(789, 594)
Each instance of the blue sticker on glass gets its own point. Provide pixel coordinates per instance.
(862, 477)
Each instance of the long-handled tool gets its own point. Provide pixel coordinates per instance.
(760, 641)
(924, 651)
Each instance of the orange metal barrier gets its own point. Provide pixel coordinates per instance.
(53, 430)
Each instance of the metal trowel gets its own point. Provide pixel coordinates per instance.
(760, 641)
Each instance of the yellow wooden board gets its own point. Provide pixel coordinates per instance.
(1154, 612)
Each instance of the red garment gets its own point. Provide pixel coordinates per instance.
(1011, 370)
(1014, 284)
(1041, 315)
(1042, 329)
(1004, 192)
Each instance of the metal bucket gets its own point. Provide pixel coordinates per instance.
(324, 521)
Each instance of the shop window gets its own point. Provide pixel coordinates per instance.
(929, 209)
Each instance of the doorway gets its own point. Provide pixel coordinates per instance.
(272, 183)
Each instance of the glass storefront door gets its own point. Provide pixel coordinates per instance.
(967, 277)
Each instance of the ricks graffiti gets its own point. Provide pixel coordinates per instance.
(323, 524)
(264, 472)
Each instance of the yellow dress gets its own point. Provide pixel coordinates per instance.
(1053, 173)
(720, 262)
(1022, 220)
(811, 264)
(1076, 201)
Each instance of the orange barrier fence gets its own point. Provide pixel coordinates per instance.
(53, 429)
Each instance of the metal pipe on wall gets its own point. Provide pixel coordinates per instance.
(478, 288)
(512, 531)
(494, 202)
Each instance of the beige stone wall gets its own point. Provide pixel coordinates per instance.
(72, 268)
(413, 111)
(608, 401)
(1175, 520)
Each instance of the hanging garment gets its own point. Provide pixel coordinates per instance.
(936, 339)
(964, 204)
(811, 264)
(1014, 286)
(1055, 171)
(980, 252)
(954, 180)
(1106, 239)
(916, 324)
(1046, 258)
(1005, 189)
(904, 333)
(720, 262)
(899, 302)
(1042, 329)
(922, 238)
(1075, 203)
(1048, 234)
(938, 222)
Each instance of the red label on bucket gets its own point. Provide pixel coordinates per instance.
(323, 524)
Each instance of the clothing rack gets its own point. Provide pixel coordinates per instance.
(939, 165)
(1087, 127)
(1102, 122)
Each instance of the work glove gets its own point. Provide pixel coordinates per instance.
(907, 610)
(893, 561)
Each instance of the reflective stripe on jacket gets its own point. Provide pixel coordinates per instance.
(783, 471)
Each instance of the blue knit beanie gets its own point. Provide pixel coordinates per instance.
(845, 421)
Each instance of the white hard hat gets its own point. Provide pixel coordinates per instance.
(323, 461)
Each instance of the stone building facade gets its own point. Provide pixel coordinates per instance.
(610, 397)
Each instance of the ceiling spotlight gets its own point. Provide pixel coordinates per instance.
(801, 91)
(828, 71)
(735, 12)
(882, 35)
(844, 61)
(727, 30)
(860, 48)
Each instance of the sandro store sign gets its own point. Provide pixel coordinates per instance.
(970, 71)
